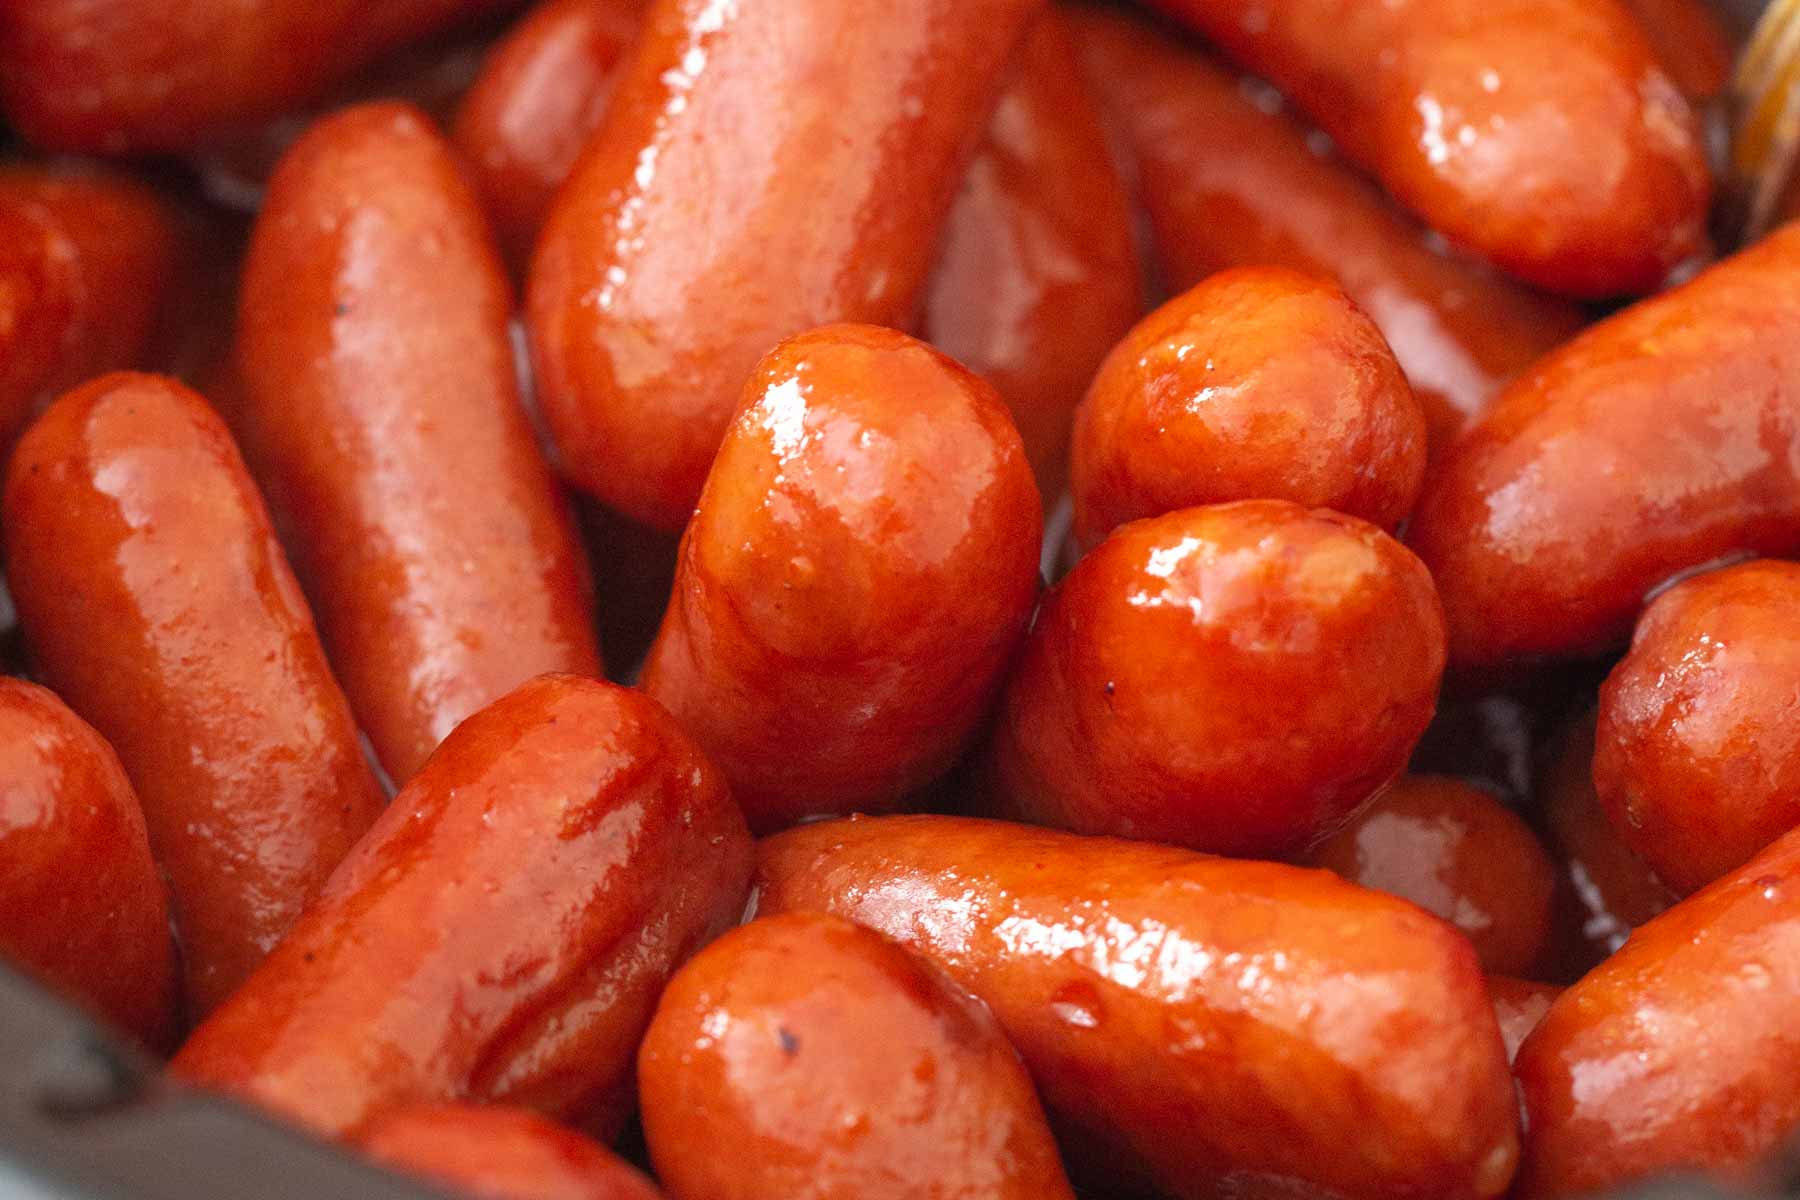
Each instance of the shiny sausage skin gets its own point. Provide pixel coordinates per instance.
(762, 169)
(81, 904)
(1458, 853)
(541, 93)
(1519, 1004)
(118, 76)
(1541, 134)
(86, 258)
(503, 931)
(1258, 384)
(381, 406)
(1679, 1050)
(1219, 1021)
(856, 577)
(1238, 679)
(491, 1152)
(156, 602)
(1691, 44)
(1697, 758)
(1660, 439)
(1228, 180)
(837, 1066)
(1038, 277)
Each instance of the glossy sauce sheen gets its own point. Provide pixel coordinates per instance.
(1692, 45)
(1237, 678)
(1678, 1051)
(1227, 180)
(81, 904)
(382, 408)
(1520, 1005)
(1458, 853)
(85, 258)
(157, 603)
(1659, 440)
(762, 169)
(1541, 134)
(840, 1067)
(1698, 751)
(856, 577)
(1258, 384)
(491, 1152)
(111, 76)
(1223, 1022)
(1038, 276)
(503, 931)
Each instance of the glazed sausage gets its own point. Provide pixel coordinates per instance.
(856, 577)
(762, 169)
(541, 93)
(1238, 678)
(839, 1066)
(1520, 1005)
(1541, 134)
(1690, 43)
(491, 1152)
(1038, 277)
(157, 603)
(1258, 384)
(503, 931)
(1697, 758)
(130, 76)
(1458, 853)
(441, 558)
(1657, 441)
(1678, 1051)
(1228, 180)
(81, 905)
(1220, 1021)
(86, 258)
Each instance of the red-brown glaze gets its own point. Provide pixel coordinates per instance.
(381, 407)
(1258, 384)
(1678, 1051)
(1228, 180)
(1213, 1019)
(1659, 440)
(85, 261)
(81, 905)
(157, 603)
(1038, 277)
(1697, 759)
(504, 929)
(856, 577)
(491, 1152)
(1541, 134)
(1519, 1004)
(112, 76)
(1237, 678)
(1689, 41)
(837, 1066)
(762, 169)
(541, 93)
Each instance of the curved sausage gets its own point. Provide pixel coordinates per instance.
(1676, 1052)
(762, 169)
(1258, 384)
(1238, 679)
(156, 602)
(1697, 758)
(1661, 439)
(490, 1152)
(1228, 180)
(1220, 1021)
(1541, 134)
(1520, 1005)
(503, 931)
(838, 1065)
(439, 553)
(856, 577)
(81, 904)
(1692, 45)
(1458, 853)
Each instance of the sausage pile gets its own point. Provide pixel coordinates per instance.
(1391, 793)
